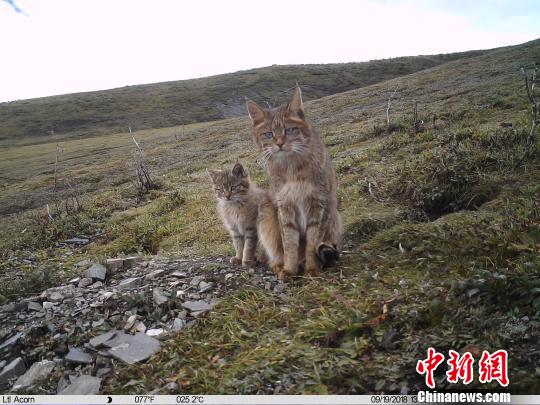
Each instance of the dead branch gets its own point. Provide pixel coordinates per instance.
(530, 84)
(176, 133)
(388, 107)
(143, 180)
(534, 104)
(73, 198)
(418, 125)
(71, 202)
(59, 154)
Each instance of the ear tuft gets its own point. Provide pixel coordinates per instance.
(239, 171)
(296, 103)
(255, 111)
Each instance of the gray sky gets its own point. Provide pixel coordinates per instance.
(65, 46)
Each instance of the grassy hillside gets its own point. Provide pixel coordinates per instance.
(197, 100)
(441, 236)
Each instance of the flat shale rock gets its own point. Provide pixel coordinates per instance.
(98, 341)
(58, 294)
(10, 342)
(77, 356)
(34, 306)
(96, 272)
(178, 324)
(130, 261)
(115, 264)
(127, 348)
(83, 385)
(37, 372)
(155, 332)
(85, 282)
(159, 297)
(155, 274)
(205, 287)
(197, 306)
(77, 241)
(130, 283)
(11, 371)
(133, 348)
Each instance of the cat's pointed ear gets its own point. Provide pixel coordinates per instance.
(255, 111)
(296, 103)
(239, 171)
(213, 174)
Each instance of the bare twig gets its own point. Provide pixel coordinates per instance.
(176, 133)
(59, 154)
(388, 106)
(418, 125)
(73, 198)
(143, 180)
(71, 202)
(530, 84)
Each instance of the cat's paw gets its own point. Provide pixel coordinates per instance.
(248, 263)
(277, 268)
(312, 271)
(235, 260)
(287, 273)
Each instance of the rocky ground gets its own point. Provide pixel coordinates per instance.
(70, 338)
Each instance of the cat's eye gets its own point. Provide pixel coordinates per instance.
(268, 135)
(290, 131)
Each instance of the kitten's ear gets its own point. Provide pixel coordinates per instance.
(255, 111)
(213, 174)
(296, 101)
(239, 171)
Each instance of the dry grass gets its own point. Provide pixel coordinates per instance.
(429, 218)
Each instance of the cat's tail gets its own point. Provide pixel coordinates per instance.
(328, 254)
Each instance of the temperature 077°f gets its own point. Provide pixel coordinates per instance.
(144, 399)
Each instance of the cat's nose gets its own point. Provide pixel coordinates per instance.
(280, 141)
(228, 195)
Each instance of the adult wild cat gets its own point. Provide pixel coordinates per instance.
(303, 185)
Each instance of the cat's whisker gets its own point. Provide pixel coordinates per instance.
(299, 149)
(262, 160)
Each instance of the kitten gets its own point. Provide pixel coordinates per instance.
(303, 185)
(245, 209)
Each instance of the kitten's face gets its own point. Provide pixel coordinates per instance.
(282, 132)
(230, 185)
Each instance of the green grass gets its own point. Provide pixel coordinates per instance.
(441, 231)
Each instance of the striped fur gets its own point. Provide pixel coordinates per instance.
(244, 209)
(303, 185)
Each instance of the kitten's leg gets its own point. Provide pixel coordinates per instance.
(270, 235)
(313, 239)
(250, 245)
(291, 239)
(238, 242)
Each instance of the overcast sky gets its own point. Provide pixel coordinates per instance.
(66, 46)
